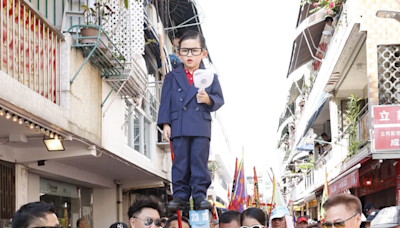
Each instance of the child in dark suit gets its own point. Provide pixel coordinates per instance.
(185, 118)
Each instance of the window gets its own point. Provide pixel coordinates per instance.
(138, 130)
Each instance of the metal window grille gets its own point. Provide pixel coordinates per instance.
(389, 74)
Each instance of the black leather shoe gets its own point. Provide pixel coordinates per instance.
(178, 204)
(200, 203)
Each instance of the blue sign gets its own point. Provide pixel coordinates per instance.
(199, 219)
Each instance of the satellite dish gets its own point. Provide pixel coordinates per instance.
(203, 78)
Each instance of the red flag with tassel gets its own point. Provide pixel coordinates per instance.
(256, 192)
(233, 185)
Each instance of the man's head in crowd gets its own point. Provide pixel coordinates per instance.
(342, 210)
(368, 209)
(144, 213)
(82, 223)
(37, 214)
(173, 222)
(302, 222)
(229, 219)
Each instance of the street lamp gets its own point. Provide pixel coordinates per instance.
(388, 14)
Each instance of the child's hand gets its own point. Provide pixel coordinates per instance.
(166, 132)
(202, 97)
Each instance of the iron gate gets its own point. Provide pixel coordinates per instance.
(7, 191)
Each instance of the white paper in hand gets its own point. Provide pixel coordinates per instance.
(203, 78)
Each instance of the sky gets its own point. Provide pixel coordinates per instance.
(250, 44)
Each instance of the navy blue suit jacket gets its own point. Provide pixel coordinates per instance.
(179, 107)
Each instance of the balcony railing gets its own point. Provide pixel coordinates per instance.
(151, 103)
(336, 155)
(30, 48)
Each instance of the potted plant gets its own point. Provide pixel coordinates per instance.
(97, 15)
(331, 7)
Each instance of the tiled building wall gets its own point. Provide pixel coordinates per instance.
(380, 31)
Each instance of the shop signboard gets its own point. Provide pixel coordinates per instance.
(386, 127)
(387, 138)
(345, 183)
(55, 188)
(386, 114)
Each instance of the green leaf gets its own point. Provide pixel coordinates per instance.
(126, 3)
(84, 7)
(93, 11)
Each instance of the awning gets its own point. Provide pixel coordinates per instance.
(316, 112)
(217, 204)
(294, 90)
(306, 147)
(345, 182)
(310, 197)
(301, 53)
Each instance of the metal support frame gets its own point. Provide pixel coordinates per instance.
(109, 67)
(183, 24)
(309, 48)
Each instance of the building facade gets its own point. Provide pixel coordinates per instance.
(343, 71)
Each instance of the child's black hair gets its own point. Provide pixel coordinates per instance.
(328, 19)
(190, 34)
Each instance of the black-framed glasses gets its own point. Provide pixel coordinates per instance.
(253, 226)
(148, 221)
(337, 224)
(185, 51)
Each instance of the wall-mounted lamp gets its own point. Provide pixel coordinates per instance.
(388, 14)
(54, 144)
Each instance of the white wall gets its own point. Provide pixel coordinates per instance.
(104, 207)
(114, 138)
(21, 185)
(7, 153)
(33, 187)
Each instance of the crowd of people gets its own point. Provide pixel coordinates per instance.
(341, 211)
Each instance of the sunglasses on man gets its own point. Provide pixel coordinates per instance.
(149, 221)
(336, 224)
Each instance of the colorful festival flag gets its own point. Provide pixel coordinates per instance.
(277, 198)
(325, 196)
(214, 212)
(256, 194)
(240, 193)
(233, 185)
(229, 196)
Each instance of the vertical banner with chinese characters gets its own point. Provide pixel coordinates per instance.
(386, 127)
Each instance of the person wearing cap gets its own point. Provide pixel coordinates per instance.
(371, 216)
(342, 210)
(302, 222)
(119, 225)
(368, 209)
(280, 218)
(388, 217)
